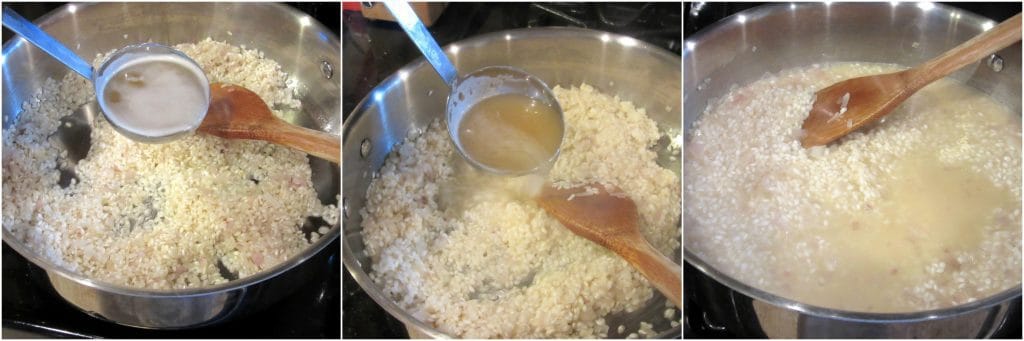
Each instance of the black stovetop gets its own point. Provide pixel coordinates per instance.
(706, 321)
(373, 50)
(32, 309)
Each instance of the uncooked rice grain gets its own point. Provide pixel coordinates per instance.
(159, 216)
(834, 225)
(475, 259)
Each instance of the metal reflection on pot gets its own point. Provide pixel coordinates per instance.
(791, 36)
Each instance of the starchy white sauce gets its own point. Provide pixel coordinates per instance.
(921, 211)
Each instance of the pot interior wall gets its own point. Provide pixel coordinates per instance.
(771, 38)
(415, 96)
(304, 49)
(300, 48)
(94, 29)
(744, 47)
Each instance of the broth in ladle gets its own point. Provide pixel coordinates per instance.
(511, 132)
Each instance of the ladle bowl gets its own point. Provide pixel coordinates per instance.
(103, 75)
(413, 97)
(303, 47)
(493, 81)
(99, 76)
(475, 86)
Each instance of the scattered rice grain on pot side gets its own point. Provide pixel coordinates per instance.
(160, 215)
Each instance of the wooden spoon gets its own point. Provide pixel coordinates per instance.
(869, 98)
(609, 218)
(238, 113)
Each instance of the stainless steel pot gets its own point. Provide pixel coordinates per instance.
(414, 96)
(742, 48)
(304, 48)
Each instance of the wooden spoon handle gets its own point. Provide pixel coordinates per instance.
(995, 39)
(663, 274)
(312, 142)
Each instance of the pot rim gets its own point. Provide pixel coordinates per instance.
(849, 315)
(809, 309)
(313, 249)
(348, 258)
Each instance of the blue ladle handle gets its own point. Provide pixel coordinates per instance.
(44, 41)
(413, 27)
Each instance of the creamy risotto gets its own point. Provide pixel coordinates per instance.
(920, 211)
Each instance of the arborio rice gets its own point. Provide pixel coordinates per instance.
(920, 212)
(174, 215)
(466, 253)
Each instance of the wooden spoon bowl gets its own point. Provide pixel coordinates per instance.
(851, 104)
(238, 113)
(606, 216)
(833, 116)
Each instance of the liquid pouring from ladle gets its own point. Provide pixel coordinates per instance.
(498, 147)
(607, 217)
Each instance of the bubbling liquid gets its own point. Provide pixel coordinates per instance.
(154, 95)
(511, 132)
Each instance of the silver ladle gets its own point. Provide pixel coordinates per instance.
(33, 34)
(475, 86)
